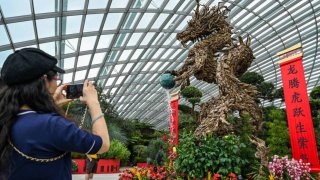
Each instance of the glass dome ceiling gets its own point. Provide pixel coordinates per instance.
(125, 45)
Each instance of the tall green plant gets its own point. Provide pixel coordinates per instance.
(314, 100)
(116, 133)
(244, 128)
(117, 150)
(278, 138)
(186, 162)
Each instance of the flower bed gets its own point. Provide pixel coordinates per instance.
(153, 172)
(285, 168)
(162, 173)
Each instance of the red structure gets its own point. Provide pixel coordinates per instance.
(107, 166)
(81, 166)
(174, 122)
(300, 124)
(142, 165)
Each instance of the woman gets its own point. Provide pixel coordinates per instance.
(35, 139)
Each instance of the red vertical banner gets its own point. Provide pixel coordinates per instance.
(173, 139)
(300, 124)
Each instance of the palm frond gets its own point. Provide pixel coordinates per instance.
(116, 133)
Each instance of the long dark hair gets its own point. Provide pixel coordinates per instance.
(33, 94)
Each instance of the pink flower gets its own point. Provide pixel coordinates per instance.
(295, 169)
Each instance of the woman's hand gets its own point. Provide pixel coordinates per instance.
(90, 159)
(90, 95)
(59, 98)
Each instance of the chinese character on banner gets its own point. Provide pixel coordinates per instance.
(302, 143)
(304, 157)
(296, 98)
(292, 70)
(294, 83)
(300, 128)
(299, 118)
(297, 112)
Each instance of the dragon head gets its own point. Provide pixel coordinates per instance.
(205, 22)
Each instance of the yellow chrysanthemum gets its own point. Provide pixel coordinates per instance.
(133, 171)
(138, 175)
(271, 177)
(209, 175)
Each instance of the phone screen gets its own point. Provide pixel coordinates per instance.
(74, 91)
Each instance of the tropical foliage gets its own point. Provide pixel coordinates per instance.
(278, 139)
(197, 157)
(117, 150)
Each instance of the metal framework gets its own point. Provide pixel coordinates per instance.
(126, 45)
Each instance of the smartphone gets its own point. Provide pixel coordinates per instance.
(74, 91)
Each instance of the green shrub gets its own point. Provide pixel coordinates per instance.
(194, 100)
(186, 122)
(185, 108)
(192, 95)
(278, 138)
(190, 92)
(252, 78)
(315, 93)
(212, 154)
(315, 105)
(266, 89)
(117, 150)
(138, 159)
(314, 100)
(140, 153)
(279, 94)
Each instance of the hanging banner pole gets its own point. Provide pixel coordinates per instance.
(302, 137)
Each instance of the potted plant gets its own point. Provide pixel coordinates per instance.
(117, 153)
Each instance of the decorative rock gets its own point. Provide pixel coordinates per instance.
(167, 81)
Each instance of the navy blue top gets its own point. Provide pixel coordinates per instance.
(43, 135)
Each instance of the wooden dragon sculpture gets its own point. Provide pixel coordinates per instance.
(262, 153)
(211, 35)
